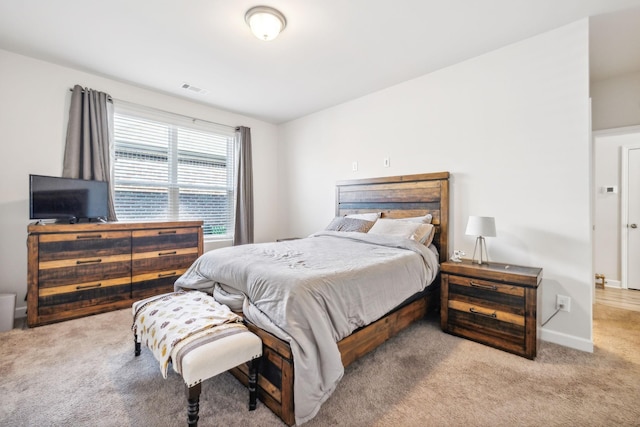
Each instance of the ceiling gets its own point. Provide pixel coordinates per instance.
(332, 51)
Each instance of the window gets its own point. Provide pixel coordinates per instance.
(169, 167)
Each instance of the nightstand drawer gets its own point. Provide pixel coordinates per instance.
(494, 304)
(486, 311)
(487, 330)
(502, 298)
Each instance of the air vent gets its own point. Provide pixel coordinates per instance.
(194, 89)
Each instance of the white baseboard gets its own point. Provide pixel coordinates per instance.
(612, 284)
(566, 340)
(20, 312)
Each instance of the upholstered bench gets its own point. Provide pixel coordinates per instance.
(199, 337)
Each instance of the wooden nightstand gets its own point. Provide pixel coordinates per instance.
(494, 304)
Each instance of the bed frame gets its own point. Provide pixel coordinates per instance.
(396, 197)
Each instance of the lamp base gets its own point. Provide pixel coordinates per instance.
(479, 248)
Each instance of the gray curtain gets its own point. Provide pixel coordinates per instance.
(87, 153)
(244, 187)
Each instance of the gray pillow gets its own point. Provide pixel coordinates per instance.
(341, 223)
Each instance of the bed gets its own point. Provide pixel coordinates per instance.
(322, 302)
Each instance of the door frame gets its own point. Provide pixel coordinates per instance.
(622, 262)
(624, 211)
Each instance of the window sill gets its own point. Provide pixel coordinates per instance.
(211, 243)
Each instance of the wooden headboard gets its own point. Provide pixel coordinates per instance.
(400, 197)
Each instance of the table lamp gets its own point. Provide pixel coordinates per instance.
(481, 227)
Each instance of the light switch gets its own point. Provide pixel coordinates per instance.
(354, 166)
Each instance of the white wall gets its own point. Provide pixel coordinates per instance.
(616, 101)
(33, 115)
(511, 126)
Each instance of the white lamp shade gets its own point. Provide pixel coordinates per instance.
(265, 23)
(481, 226)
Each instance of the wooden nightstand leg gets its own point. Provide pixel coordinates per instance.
(444, 301)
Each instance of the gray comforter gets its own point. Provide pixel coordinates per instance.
(313, 292)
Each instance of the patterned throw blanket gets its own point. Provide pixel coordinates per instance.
(179, 319)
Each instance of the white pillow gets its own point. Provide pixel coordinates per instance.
(421, 219)
(394, 227)
(424, 234)
(373, 216)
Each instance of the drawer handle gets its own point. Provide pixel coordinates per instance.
(167, 232)
(88, 261)
(167, 253)
(481, 286)
(492, 315)
(89, 236)
(173, 273)
(97, 285)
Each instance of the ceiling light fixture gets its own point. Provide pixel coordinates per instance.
(265, 22)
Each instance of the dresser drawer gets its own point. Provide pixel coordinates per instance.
(164, 239)
(80, 295)
(146, 262)
(52, 247)
(83, 269)
(154, 283)
(155, 272)
(82, 282)
(77, 270)
(160, 257)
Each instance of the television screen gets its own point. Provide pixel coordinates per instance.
(67, 198)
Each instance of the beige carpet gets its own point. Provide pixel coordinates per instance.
(83, 373)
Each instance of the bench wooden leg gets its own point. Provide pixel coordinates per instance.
(253, 382)
(136, 348)
(193, 404)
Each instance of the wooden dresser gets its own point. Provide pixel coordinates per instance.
(493, 303)
(75, 270)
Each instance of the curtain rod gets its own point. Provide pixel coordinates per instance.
(111, 99)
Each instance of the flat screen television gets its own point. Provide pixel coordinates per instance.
(67, 199)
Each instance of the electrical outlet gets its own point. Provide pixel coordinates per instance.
(563, 303)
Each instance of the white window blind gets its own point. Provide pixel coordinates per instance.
(169, 167)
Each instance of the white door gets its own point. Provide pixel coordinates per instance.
(633, 219)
